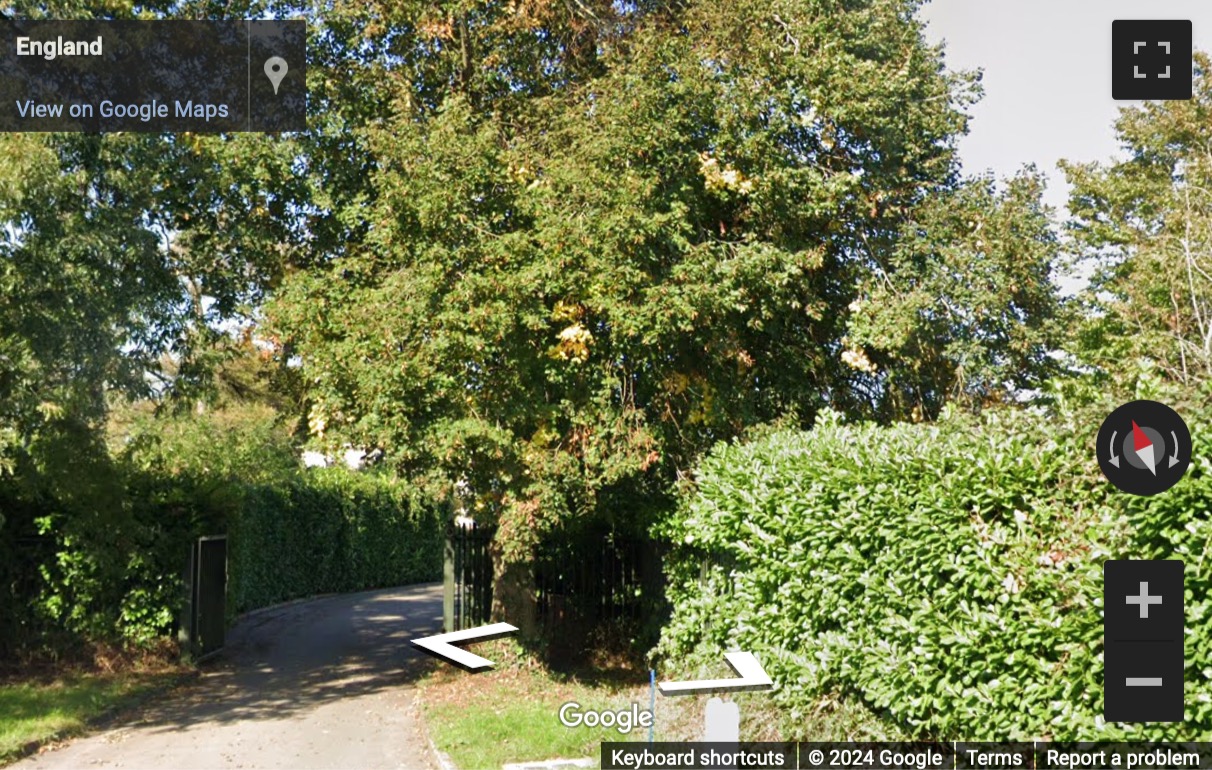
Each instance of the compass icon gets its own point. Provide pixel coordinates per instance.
(1144, 447)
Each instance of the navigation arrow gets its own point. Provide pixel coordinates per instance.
(1174, 457)
(442, 645)
(1114, 457)
(750, 676)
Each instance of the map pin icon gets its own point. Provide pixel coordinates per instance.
(275, 70)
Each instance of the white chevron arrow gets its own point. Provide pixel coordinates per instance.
(442, 645)
(750, 676)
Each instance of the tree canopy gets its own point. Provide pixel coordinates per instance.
(1142, 228)
(601, 238)
(542, 255)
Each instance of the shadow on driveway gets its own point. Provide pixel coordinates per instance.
(325, 683)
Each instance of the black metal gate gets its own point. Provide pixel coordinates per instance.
(594, 575)
(204, 620)
(467, 601)
(583, 578)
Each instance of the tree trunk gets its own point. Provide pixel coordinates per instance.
(513, 595)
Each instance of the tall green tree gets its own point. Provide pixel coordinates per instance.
(605, 236)
(116, 251)
(963, 308)
(1142, 228)
(81, 274)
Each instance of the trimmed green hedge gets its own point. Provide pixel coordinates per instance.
(330, 531)
(95, 554)
(949, 576)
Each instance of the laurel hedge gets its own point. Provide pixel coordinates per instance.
(948, 576)
(330, 531)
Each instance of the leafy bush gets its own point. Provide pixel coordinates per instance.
(292, 533)
(948, 575)
(100, 559)
(117, 577)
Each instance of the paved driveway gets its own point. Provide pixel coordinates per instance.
(319, 684)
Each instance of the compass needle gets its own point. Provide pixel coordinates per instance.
(1143, 448)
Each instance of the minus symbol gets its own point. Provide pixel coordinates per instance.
(1144, 681)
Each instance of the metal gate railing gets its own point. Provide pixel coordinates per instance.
(587, 576)
(467, 577)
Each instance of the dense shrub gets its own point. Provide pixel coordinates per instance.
(100, 559)
(330, 531)
(948, 575)
(113, 574)
(83, 553)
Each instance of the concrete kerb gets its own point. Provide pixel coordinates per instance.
(444, 760)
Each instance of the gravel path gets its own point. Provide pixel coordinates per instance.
(325, 683)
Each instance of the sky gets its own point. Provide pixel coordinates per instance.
(1047, 80)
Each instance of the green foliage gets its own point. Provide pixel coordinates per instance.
(577, 277)
(1142, 227)
(114, 250)
(330, 531)
(292, 533)
(963, 310)
(104, 564)
(949, 575)
(98, 556)
(79, 276)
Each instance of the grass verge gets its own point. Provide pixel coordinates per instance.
(510, 713)
(34, 713)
